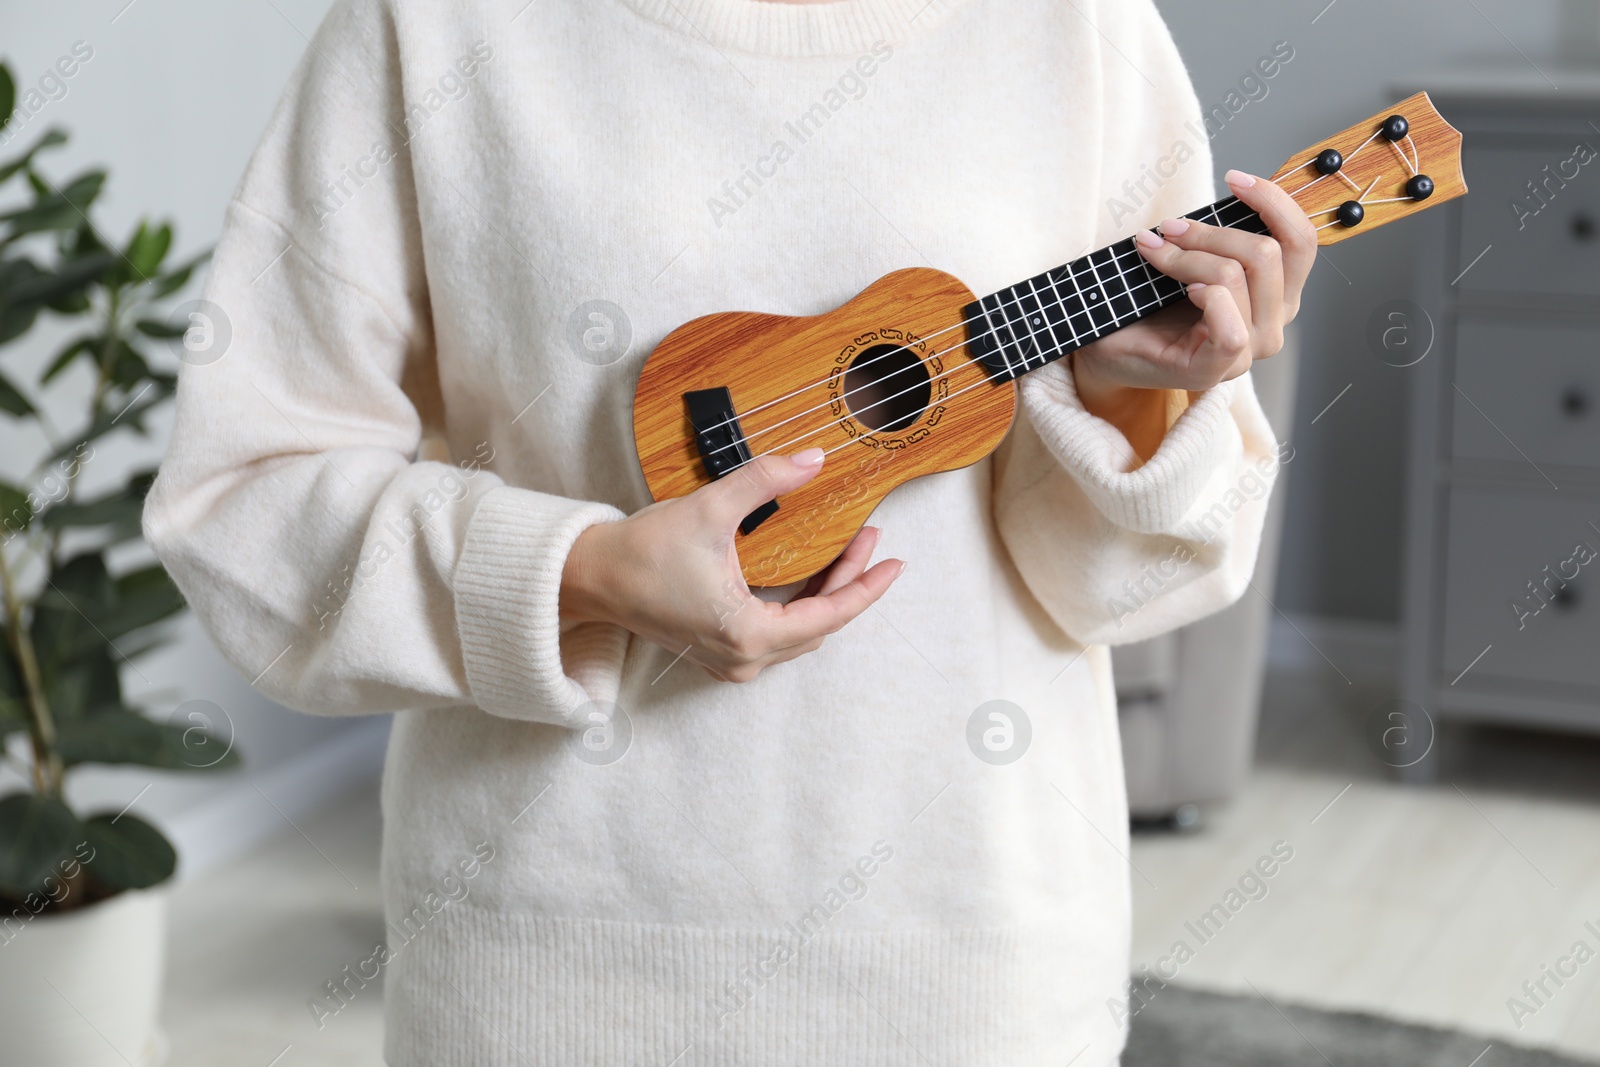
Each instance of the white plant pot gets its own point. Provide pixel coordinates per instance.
(83, 988)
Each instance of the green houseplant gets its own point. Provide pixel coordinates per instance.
(69, 623)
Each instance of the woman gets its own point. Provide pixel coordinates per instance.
(409, 486)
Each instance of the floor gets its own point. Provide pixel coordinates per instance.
(1430, 904)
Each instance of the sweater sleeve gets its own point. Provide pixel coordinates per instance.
(330, 562)
(1117, 550)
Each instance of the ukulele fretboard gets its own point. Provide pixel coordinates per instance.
(1028, 325)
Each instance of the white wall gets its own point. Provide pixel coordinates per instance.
(172, 103)
(1341, 554)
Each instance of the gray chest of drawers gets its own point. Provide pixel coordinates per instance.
(1502, 578)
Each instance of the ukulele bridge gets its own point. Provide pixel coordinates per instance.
(720, 441)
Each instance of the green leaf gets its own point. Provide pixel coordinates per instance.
(122, 509)
(146, 249)
(162, 331)
(51, 138)
(84, 684)
(8, 95)
(36, 833)
(178, 277)
(125, 736)
(144, 597)
(129, 853)
(72, 351)
(44, 286)
(76, 595)
(16, 320)
(79, 612)
(63, 210)
(12, 400)
(15, 511)
(127, 367)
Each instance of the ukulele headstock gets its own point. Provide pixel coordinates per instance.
(1398, 162)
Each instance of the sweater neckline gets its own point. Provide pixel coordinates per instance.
(780, 29)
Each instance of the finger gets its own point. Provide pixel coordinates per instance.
(1262, 260)
(1296, 233)
(851, 562)
(1226, 331)
(1190, 267)
(730, 498)
(800, 621)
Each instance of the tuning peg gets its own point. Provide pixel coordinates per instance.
(1329, 162)
(1395, 127)
(1419, 187)
(1351, 213)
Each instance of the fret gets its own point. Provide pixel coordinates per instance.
(1046, 316)
(1078, 318)
(1101, 312)
(1030, 316)
(1019, 311)
(1102, 319)
(1056, 312)
(1123, 301)
(1000, 332)
(1134, 273)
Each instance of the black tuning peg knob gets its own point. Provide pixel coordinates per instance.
(1329, 161)
(1574, 402)
(1395, 127)
(1582, 227)
(1419, 187)
(1351, 213)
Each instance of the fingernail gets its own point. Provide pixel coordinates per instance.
(811, 457)
(1150, 239)
(1175, 227)
(1196, 287)
(1239, 179)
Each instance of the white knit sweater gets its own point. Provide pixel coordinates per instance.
(371, 492)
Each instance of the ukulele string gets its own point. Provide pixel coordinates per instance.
(1087, 274)
(1413, 163)
(984, 380)
(1074, 275)
(1131, 289)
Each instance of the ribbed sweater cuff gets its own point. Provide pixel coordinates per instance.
(1154, 497)
(507, 595)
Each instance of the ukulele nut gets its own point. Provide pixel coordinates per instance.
(1329, 161)
(1351, 213)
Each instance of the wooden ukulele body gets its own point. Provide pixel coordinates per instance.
(790, 381)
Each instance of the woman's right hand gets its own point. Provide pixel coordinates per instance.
(670, 573)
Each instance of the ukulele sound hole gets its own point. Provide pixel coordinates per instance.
(887, 387)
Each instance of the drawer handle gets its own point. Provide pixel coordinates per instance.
(1582, 228)
(1574, 402)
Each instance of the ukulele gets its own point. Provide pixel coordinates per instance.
(915, 374)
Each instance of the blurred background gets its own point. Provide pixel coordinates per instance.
(1421, 683)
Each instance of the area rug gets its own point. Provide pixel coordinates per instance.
(1186, 1028)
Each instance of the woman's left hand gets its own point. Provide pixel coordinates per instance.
(1243, 289)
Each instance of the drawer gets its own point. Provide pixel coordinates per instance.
(1500, 540)
(1538, 387)
(1556, 250)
